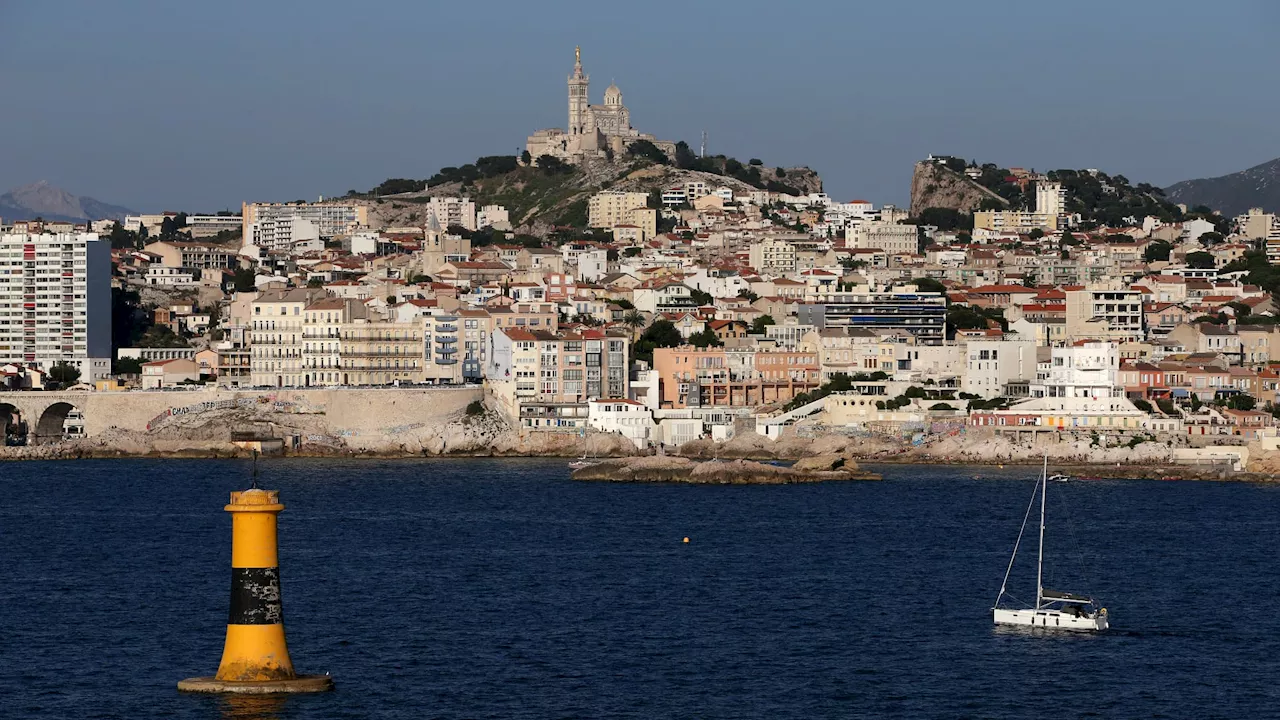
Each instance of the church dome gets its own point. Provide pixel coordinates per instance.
(612, 95)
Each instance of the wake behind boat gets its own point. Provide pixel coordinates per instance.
(1053, 609)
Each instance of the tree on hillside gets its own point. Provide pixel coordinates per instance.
(759, 324)
(647, 150)
(945, 219)
(126, 366)
(245, 278)
(551, 165)
(1157, 251)
(64, 373)
(702, 298)
(1200, 260)
(121, 238)
(633, 318)
(661, 334)
(705, 338)
(927, 284)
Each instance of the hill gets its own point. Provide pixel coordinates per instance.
(42, 200)
(1233, 194)
(541, 198)
(942, 188)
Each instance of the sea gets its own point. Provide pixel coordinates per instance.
(493, 588)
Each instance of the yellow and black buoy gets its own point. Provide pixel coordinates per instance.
(255, 659)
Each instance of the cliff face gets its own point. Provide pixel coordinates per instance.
(933, 185)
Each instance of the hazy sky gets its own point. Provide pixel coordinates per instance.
(198, 106)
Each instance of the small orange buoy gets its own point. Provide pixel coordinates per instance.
(686, 541)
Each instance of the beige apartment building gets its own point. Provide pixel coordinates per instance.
(1104, 312)
(612, 208)
(276, 329)
(381, 353)
(773, 256)
(892, 239)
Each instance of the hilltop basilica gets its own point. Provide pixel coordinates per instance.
(594, 130)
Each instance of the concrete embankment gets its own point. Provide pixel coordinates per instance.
(390, 422)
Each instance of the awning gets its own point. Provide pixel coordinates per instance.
(1179, 392)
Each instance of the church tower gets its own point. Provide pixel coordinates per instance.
(578, 82)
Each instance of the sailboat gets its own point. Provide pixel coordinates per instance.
(1053, 609)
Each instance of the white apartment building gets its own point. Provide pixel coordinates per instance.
(1088, 370)
(992, 364)
(276, 226)
(1051, 198)
(202, 226)
(168, 276)
(450, 211)
(55, 301)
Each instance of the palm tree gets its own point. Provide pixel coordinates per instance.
(633, 319)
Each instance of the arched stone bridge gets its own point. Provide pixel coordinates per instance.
(43, 416)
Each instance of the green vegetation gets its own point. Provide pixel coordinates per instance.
(648, 151)
(702, 298)
(926, 284)
(661, 334)
(126, 366)
(244, 279)
(759, 324)
(964, 317)
(705, 339)
(1200, 260)
(1260, 272)
(64, 373)
(945, 219)
(395, 186)
(1142, 405)
(160, 336)
(475, 408)
(1157, 251)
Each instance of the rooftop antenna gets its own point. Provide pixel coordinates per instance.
(703, 153)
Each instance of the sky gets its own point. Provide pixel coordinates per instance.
(159, 105)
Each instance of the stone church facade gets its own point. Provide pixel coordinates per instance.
(594, 131)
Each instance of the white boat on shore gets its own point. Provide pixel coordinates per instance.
(1053, 609)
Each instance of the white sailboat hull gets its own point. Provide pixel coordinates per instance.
(1051, 620)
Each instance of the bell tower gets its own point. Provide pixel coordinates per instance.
(578, 83)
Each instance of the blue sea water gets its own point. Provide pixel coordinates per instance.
(501, 589)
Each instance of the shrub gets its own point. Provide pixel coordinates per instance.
(475, 408)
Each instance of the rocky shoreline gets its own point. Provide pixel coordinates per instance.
(488, 434)
(669, 469)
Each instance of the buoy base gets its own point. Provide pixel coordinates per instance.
(300, 684)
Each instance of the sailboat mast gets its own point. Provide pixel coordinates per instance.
(1044, 486)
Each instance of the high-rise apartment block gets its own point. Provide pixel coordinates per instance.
(451, 211)
(55, 300)
(277, 226)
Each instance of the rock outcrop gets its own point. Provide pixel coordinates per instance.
(713, 472)
(935, 186)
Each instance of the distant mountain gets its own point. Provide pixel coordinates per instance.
(1233, 194)
(42, 200)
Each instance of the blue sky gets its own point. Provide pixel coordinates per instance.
(197, 106)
